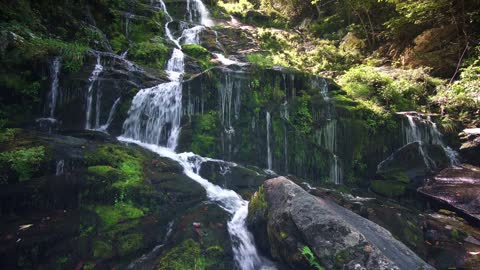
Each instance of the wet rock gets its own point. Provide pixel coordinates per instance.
(305, 232)
(233, 176)
(470, 149)
(414, 160)
(458, 188)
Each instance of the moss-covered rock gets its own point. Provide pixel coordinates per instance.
(388, 188)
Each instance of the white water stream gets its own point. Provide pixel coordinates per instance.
(154, 123)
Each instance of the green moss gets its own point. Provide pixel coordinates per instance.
(111, 215)
(205, 129)
(341, 258)
(25, 161)
(129, 243)
(185, 256)
(198, 53)
(102, 249)
(388, 188)
(311, 258)
(151, 53)
(258, 202)
(102, 171)
(126, 162)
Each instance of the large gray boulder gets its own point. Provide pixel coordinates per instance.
(307, 232)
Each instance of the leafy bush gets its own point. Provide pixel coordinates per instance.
(239, 8)
(260, 59)
(24, 162)
(461, 99)
(396, 90)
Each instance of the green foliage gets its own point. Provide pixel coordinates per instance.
(460, 100)
(396, 90)
(259, 59)
(7, 135)
(258, 202)
(25, 162)
(113, 214)
(236, 8)
(311, 258)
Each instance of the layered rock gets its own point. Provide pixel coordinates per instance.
(458, 188)
(306, 232)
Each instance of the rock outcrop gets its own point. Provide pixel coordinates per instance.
(457, 187)
(306, 232)
(470, 149)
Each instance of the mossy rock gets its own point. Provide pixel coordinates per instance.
(102, 249)
(388, 188)
(129, 243)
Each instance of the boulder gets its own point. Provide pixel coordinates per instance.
(233, 176)
(414, 161)
(307, 232)
(470, 149)
(458, 188)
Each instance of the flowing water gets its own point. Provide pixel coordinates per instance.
(154, 123)
(269, 150)
(425, 131)
(53, 95)
(91, 82)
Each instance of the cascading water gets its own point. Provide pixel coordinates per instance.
(91, 80)
(104, 127)
(327, 138)
(269, 150)
(60, 167)
(426, 132)
(52, 97)
(197, 12)
(154, 123)
(49, 121)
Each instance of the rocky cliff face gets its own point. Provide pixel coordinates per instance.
(306, 232)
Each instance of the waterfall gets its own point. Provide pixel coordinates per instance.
(154, 123)
(155, 114)
(437, 139)
(53, 95)
(191, 35)
(269, 150)
(327, 138)
(104, 127)
(91, 80)
(426, 133)
(59, 167)
(198, 12)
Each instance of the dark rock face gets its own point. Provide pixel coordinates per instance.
(415, 160)
(457, 187)
(305, 232)
(233, 176)
(470, 149)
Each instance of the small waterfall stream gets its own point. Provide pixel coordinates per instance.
(425, 131)
(154, 123)
(269, 150)
(91, 80)
(52, 97)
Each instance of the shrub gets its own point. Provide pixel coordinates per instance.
(24, 162)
